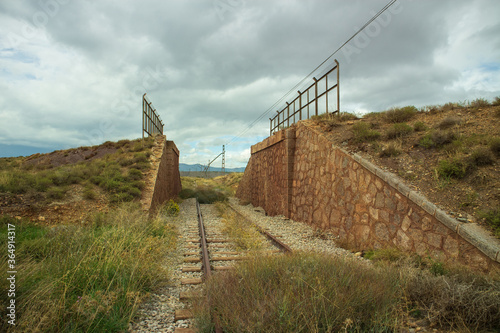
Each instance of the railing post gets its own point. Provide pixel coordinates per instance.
(315, 95)
(300, 105)
(326, 94)
(338, 87)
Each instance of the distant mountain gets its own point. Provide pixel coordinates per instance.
(199, 167)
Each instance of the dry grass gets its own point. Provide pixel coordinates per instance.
(87, 278)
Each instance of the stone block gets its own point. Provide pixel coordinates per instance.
(393, 181)
(368, 165)
(434, 240)
(447, 220)
(482, 240)
(404, 189)
(450, 245)
(381, 232)
(417, 198)
(429, 207)
(406, 223)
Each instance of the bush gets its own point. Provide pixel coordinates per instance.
(481, 157)
(419, 126)
(56, 193)
(496, 101)
(449, 122)
(399, 130)
(400, 115)
(495, 146)
(172, 208)
(363, 132)
(426, 142)
(390, 151)
(453, 169)
(492, 218)
(479, 103)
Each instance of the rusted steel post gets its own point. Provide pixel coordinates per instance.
(300, 105)
(316, 94)
(338, 87)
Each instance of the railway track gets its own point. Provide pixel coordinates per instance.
(209, 251)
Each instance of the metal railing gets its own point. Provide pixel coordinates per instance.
(151, 121)
(310, 100)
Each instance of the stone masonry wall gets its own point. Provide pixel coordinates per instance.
(163, 182)
(365, 206)
(264, 183)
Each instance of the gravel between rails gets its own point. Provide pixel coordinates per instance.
(298, 235)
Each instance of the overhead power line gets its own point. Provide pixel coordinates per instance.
(279, 101)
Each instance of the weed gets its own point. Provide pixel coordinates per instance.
(449, 122)
(363, 132)
(172, 208)
(419, 126)
(134, 174)
(400, 115)
(470, 199)
(399, 130)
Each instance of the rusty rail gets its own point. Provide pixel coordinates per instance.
(307, 100)
(205, 260)
(151, 121)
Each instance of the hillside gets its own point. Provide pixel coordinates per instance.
(450, 153)
(68, 185)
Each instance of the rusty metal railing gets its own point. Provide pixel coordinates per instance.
(310, 100)
(151, 121)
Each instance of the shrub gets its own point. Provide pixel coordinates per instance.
(419, 126)
(399, 130)
(495, 146)
(56, 193)
(390, 151)
(140, 158)
(479, 103)
(134, 174)
(426, 142)
(441, 138)
(363, 132)
(481, 157)
(172, 208)
(452, 169)
(400, 115)
(449, 122)
(89, 193)
(496, 101)
(492, 218)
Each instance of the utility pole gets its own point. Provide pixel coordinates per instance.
(223, 158)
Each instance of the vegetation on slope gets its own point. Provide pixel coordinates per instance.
(88, 278)
(450, 152)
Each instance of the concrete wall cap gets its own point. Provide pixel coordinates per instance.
(429, 207)
(417, 198)
(478, 237)
(447, 220)
(404, 189)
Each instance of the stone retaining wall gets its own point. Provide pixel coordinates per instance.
(163, 182)
(366, 207)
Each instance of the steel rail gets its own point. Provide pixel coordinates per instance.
(205, 260)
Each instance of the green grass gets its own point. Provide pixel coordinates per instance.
(453, 168)
(86, 278)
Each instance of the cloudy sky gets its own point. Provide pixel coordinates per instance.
(72, 72)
